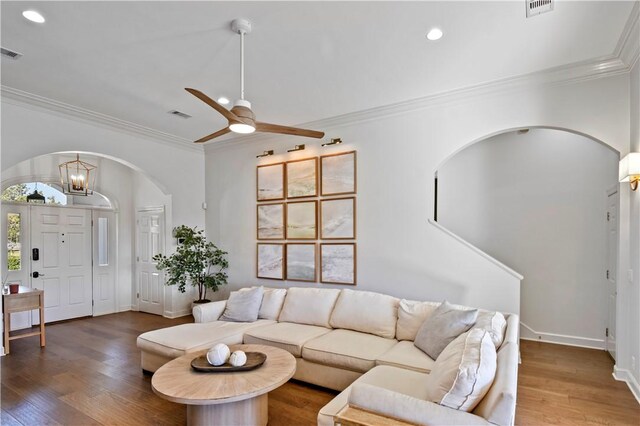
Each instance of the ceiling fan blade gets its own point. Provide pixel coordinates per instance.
(285, 130)
(213, 135)
(213, 104)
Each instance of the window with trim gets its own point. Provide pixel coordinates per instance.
(19, 192)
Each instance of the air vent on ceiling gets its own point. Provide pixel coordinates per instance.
(10, 53)
(536, 7)
(179, 114)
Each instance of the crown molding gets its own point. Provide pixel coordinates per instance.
(628, 47)
(22, 98)
(606, 66)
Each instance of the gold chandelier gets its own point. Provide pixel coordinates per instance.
(77, 177)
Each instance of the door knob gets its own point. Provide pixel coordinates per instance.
(37, 274)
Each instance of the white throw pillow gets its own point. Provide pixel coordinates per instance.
(272, 302)
(243, 306)
(411, 315)
(464, 371)
(311, 306)
(366, 311)
(494, 323)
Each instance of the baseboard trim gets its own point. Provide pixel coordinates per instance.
(624, 375)
(125, 308)
(177, 314)
(528, 333)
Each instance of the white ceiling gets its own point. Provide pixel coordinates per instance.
(305, 61)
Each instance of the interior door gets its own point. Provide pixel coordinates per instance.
(62, 265)
(15, 254)
(149, 242)
(104, 261)
(612, 260)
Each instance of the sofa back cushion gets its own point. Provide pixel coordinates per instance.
(366, 311)
(411, 315)
(272, 302)
(311, 306)
(464, 371)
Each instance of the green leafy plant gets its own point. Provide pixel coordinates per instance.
(196, 261)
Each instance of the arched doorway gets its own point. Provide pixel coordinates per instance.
(543, 201)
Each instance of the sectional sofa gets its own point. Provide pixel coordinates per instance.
(356, 342)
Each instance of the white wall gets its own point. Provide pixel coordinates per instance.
(399, 252)
(29, 131)
(628, 360)
(538, 202)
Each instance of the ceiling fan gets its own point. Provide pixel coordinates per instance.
(241, 119)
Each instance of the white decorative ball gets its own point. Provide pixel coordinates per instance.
(218, 355)
(238, 359)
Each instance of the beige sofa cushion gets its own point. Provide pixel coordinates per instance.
(405, 355)
(499, 404)
(366, 311)
(175, 341)
(411, 315)
(347, 349)
(464, 371)
(285, 335)
(396, 379)
(311, 306)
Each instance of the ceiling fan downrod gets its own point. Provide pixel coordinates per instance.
(242, 27)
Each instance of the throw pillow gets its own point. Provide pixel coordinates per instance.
(272, 303)
(243, 306)
(464, 371)
(442, 327)
(494, 323)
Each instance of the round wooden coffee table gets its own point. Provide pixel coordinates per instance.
(235, 398)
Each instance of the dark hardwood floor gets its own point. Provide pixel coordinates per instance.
(89, 373)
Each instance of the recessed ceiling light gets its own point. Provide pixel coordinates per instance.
(33, 16)
(434, 34)
(222, 100)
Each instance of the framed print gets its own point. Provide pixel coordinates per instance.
(301, 262)
(338, 219)
(338, 173)
(302, 219)
(302, 178)
(270, 182)
(338, 263)
(270, 263)
(270, 221)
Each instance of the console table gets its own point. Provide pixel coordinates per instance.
(26, 299)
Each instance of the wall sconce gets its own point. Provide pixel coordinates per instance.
(629, 170)
(334, 141)
(265, 154)
(296, 148)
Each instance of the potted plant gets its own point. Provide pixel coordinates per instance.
(196, 261)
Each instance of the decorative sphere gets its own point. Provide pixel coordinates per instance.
(238, 359)
(218, 355)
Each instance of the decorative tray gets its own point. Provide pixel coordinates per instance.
(254, 360)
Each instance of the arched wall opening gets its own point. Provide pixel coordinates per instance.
(127, 189)
(537, 200)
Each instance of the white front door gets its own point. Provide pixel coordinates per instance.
(149, 242)
(15, 254)
(612, 260)
(104, 261)
(62, 264)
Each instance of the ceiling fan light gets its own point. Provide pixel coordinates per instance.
(241, 128)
